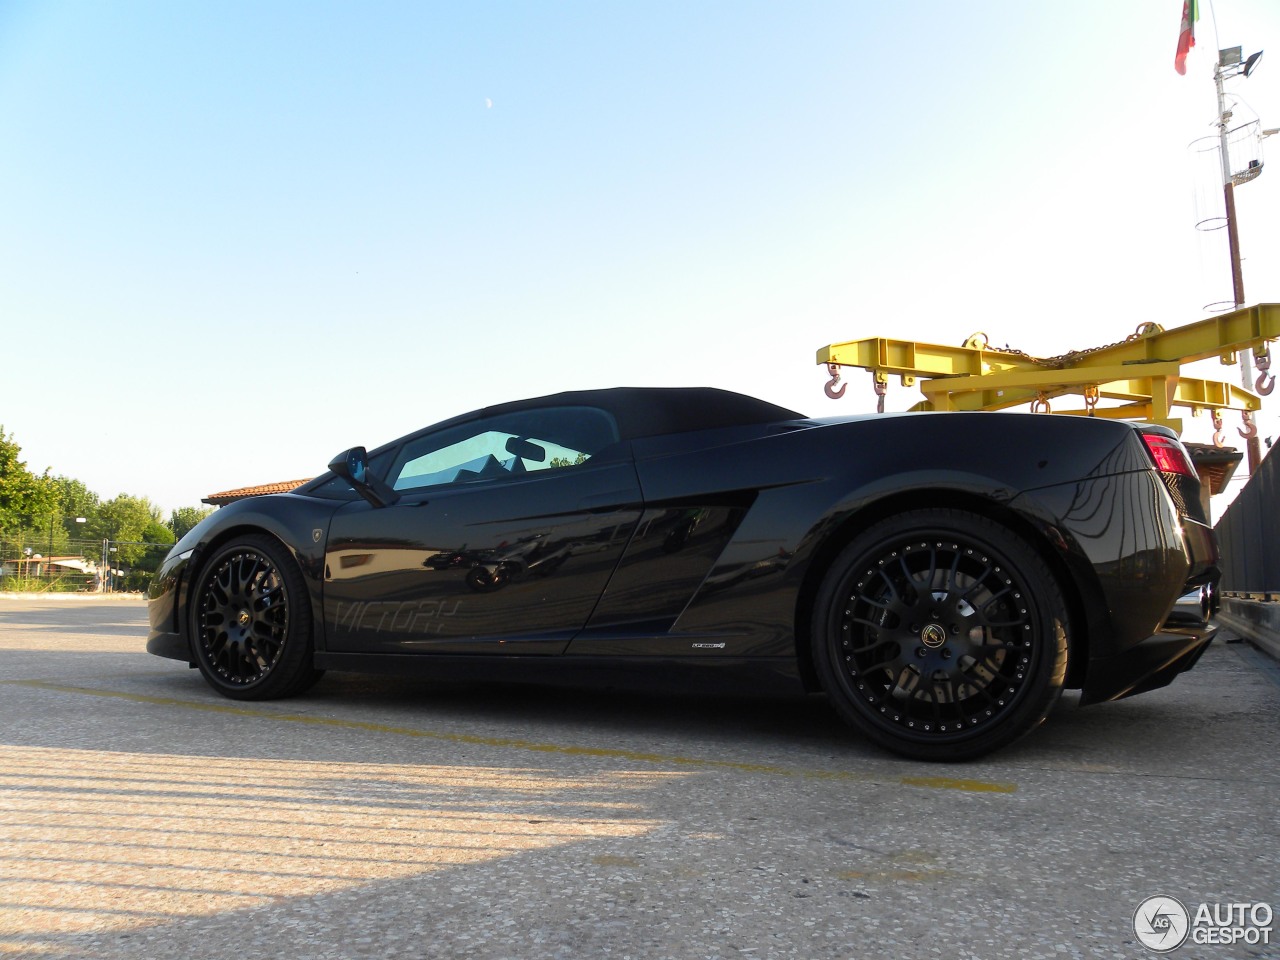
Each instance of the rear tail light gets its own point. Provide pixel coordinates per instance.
(1170, 455)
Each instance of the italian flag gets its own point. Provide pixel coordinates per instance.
(1187, 36)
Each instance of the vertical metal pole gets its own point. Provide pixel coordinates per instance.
(1233, 241)
(1253, 447)
(1228, 189)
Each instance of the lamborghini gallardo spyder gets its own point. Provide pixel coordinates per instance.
(941, 577)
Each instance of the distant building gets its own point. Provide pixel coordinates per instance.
(40, 567)
(61, 571)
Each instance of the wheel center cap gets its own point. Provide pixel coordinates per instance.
(933, 636)
(244, 618)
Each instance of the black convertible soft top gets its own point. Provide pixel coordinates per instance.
(653, 411)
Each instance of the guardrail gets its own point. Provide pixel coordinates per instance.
(1249, 537)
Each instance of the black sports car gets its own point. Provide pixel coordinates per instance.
(941, 576)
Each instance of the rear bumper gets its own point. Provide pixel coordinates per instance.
(1202, 553)
(1151, 664)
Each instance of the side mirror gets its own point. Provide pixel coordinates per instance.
(353, 466)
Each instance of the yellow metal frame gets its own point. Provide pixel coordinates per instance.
(1144, 371)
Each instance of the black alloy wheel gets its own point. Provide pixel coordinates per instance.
(941, 635)
(251, 622)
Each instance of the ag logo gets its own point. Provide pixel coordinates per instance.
(1161, 923)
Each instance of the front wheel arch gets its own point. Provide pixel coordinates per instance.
(249, 618)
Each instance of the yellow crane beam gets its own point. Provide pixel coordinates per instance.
(916, 359)
(1130, 382)
(1222, 336)
(1143, 371)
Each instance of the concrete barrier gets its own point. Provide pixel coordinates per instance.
(1258, 621)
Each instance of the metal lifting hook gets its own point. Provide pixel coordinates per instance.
(881, 387)
(830, 388)
(1040, 404)
(1265, 382)
(1091, 395)
(1250, 429)
(1219, 438)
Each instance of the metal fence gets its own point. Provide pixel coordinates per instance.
(1249, 537)
(31, 564)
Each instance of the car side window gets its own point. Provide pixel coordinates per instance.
(497, 448)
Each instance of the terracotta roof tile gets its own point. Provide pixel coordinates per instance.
(241, 493)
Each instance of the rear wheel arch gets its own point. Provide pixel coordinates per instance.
(940, 634)
(869, 514)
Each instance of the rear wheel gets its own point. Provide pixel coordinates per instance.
(941, 635)
(251, 621)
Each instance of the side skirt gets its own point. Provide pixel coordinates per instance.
(756, 676)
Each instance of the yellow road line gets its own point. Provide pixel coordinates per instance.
(935, 783)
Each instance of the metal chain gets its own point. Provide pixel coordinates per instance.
(1071, 356)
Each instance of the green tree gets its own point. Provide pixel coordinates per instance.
(159, 538)
(58, 532)
(159, 533)
(74, 500)
(127, 519)
(184, 518)
(26, 498)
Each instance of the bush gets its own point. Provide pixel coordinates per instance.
(68, 583)
(135, 581)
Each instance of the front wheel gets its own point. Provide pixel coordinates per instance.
(941, 635)
(251, 621)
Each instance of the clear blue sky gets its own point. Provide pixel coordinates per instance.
(236, 238)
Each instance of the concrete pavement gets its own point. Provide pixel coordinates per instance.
(144, 816)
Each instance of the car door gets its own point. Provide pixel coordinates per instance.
(505, 534)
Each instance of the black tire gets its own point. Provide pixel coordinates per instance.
(941, 635)
(251, 621)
